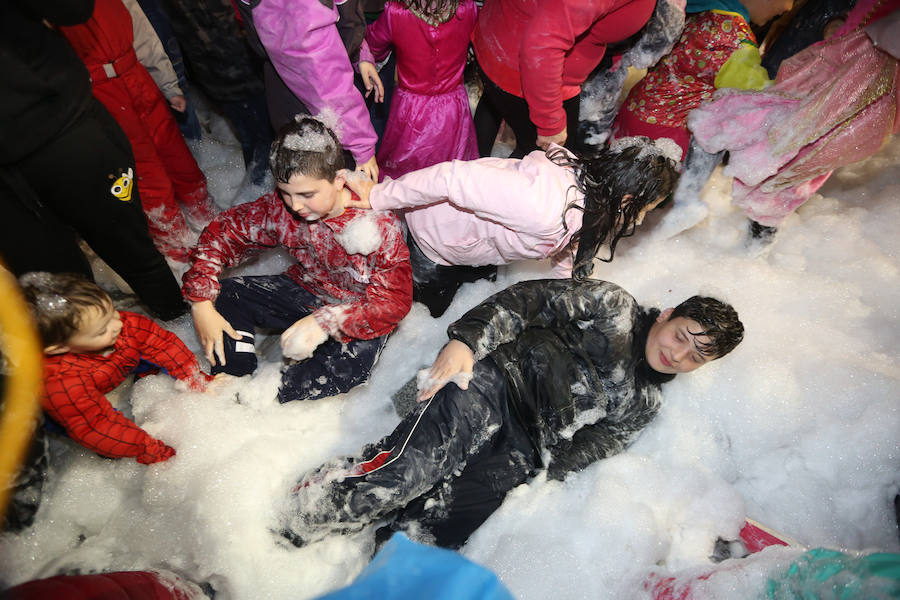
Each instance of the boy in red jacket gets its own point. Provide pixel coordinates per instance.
(90, 348)
(350, 287)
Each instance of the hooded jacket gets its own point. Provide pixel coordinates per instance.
(573, 356)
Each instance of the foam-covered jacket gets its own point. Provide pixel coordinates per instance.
(573, 355)
(75, 384)
(356, 262)
(543, 50)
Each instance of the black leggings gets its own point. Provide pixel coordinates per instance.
(497, 105)
(65, 188)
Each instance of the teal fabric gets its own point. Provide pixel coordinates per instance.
(695, 6)
(405, 570)
(822, 573)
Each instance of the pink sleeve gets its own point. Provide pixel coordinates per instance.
(378, 35)
(303, 43)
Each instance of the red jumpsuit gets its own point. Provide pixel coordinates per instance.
(167, 174)
(75, 384)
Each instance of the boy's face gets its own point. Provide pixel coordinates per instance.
(672, 348)
(312, 199)
(98, 331)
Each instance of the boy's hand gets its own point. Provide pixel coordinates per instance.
(455, 361)
(370, 168)
(372, 80)
(155, 452)
(178, 103)
(362, 188)
(301, 339)
(209, 325)
(544, 141)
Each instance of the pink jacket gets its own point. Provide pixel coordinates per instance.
(489, 211)
(303, 44)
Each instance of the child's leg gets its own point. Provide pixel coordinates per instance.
(334, 368)
(273, 302)
(449, 514)
(427, 447)
(435, 285)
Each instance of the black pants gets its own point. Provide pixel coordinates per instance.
(249, 117)
(439, 475)
(497, 105)
(435, 285)
(64, 190)
(276, 302)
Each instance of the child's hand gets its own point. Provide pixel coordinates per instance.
(455, 361)
(370, 168)
(300, 340)
(544, 141)
(178, 103)
(362, 188)
(372, 80)
(155, 452)
(209, 325)
(219, 381)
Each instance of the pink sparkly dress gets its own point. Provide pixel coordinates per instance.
(831, 105)
(430, 120)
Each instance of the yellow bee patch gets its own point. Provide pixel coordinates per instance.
(121, 187)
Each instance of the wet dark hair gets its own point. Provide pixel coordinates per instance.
(433, 12)
(58, 302)
(605, 178)
(305, 146)
(718, 321)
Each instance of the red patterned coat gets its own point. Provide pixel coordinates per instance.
(75, 384)
(357, 262)
(657, 106)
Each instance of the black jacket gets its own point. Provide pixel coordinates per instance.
(46, 87)
(573, 355)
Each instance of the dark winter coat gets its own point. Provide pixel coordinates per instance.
(215, 48)
(573, 355)
(46, 87)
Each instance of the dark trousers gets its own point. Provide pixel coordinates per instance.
(440, 474)
(497, 105)
(276, 302)
(249, 118)
(435, 285)
(63, 190)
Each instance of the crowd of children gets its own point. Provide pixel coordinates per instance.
(570, 366)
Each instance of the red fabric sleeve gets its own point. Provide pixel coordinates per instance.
(225, 242)
(89, 419)
(164, 349)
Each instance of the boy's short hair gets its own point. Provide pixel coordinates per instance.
(306, 146)
(58, 302)
(718, 321)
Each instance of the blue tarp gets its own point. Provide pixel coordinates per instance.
(406, 570)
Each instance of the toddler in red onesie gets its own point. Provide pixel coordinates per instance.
(89, 349)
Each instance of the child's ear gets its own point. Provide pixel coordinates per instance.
(664, 315)
(56, 349)
(340, 179)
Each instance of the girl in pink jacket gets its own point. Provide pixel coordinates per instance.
(466, 216)
(430, 120)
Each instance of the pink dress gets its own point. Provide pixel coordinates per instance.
(430, 120)
(832, 104)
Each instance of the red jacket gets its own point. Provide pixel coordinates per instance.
(366, 289)
(121, 585)
(543, 50)
(75, 384)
